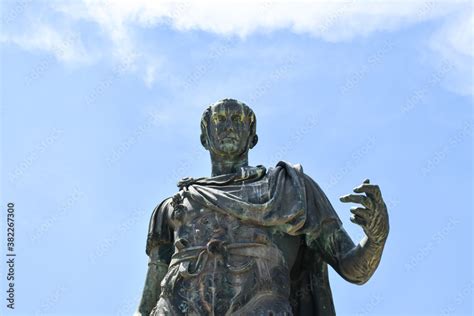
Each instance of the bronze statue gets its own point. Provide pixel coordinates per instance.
(252, 241)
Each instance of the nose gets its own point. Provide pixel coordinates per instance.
(229, 124)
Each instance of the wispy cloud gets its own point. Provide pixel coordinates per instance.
(65, 45)
(332, 21)
(454, 42)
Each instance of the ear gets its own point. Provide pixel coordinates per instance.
(204, 142)
(253, 141)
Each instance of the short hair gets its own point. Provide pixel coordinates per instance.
(248, 112)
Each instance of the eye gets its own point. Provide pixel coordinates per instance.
(218, 118)
(236, 118)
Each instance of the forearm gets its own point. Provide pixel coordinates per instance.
(151, 291)
(359, 264)
(355, 263)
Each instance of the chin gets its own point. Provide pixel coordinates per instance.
(230, 151)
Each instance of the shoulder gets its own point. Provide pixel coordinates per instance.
(162, 206)
(296, 169)
(288, 165)
(159, 231)
(161, 213)
(293, 170)
(285, 167)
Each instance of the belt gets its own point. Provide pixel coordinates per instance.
(219, 247)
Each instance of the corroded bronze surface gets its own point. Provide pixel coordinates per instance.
(252, 241)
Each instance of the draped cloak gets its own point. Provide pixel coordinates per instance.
(289, 201)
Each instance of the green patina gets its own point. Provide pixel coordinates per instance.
(252, 241)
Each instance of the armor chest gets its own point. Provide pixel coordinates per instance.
(195, 225)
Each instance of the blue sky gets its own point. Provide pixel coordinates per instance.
(100, 110)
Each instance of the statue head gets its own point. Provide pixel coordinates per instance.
(228, 128)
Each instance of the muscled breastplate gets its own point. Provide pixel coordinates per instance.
(220, 262)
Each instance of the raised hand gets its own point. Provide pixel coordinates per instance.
(373, 217)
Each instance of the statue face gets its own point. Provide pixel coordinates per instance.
(228, 130)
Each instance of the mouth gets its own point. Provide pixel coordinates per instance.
(228, 141)
(229, 138)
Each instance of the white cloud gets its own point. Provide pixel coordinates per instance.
(151, 73)
(332, 21)
(66, 46)
(455, 44)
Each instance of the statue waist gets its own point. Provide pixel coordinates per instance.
(198, 256)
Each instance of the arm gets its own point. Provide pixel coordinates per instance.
(358, 263)
(157, 268)
(159, 248)
(355, 263)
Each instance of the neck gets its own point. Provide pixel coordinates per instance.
(222, 165)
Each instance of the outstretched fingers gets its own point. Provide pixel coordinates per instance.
(372, 190)
(356, 198)
(358, 220)
(361, 212)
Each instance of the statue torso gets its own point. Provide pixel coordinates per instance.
(220, 261)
